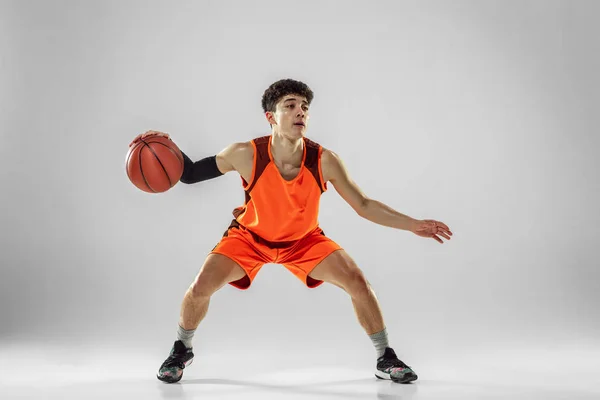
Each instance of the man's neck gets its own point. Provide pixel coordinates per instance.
(285, 150)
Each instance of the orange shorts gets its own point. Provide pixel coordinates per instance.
(251, 252)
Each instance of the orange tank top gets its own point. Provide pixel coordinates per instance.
(278, 210)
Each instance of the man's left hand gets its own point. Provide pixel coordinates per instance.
(429, 228)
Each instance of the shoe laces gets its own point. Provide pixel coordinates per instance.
(174, 360)
(390, 360)
(393, 363)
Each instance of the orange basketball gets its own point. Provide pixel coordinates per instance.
(154, 164)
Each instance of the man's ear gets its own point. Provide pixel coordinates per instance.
(271, 118)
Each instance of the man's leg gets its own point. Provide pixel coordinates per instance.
(216, 272)
(339, 269)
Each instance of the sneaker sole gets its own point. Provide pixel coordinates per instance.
(170, 379)
(407, 379)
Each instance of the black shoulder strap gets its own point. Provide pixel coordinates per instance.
(313, 160)
(261, 159)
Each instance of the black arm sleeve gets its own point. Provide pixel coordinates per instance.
(198, 171)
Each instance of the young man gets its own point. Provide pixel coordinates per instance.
(283, 176)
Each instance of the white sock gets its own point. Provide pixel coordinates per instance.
(185, 336)
(380, 341)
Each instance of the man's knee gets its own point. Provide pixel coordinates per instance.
(340, 270)
(202, 287)
(216, 272)
(357, 284)
(352, 279)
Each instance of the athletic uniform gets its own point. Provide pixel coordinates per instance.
(279, 221)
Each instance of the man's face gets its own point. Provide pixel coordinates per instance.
(290, 116)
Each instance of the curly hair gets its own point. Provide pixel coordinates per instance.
(282, 88)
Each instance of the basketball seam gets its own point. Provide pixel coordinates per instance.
(127, 162)
(161, 164)
(142, 170)
(174, 153)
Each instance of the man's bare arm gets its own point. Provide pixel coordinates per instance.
(372, 210)
(232, 157)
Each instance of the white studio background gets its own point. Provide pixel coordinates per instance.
(483, 115)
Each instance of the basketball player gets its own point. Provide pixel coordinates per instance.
(283, 176)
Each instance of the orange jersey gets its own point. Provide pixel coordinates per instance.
(278, 210)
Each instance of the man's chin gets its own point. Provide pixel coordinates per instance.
(295, 133)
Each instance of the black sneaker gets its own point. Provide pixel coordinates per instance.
(180, 357)
(390, 367)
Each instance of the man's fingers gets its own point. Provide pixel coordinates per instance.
(137, 138)
(154, 133)
(143, 136)
(146, 134)
(444, 235)
(444, 231)
(443, 227)
(440, 224)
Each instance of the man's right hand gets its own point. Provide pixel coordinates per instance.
(147, 134)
